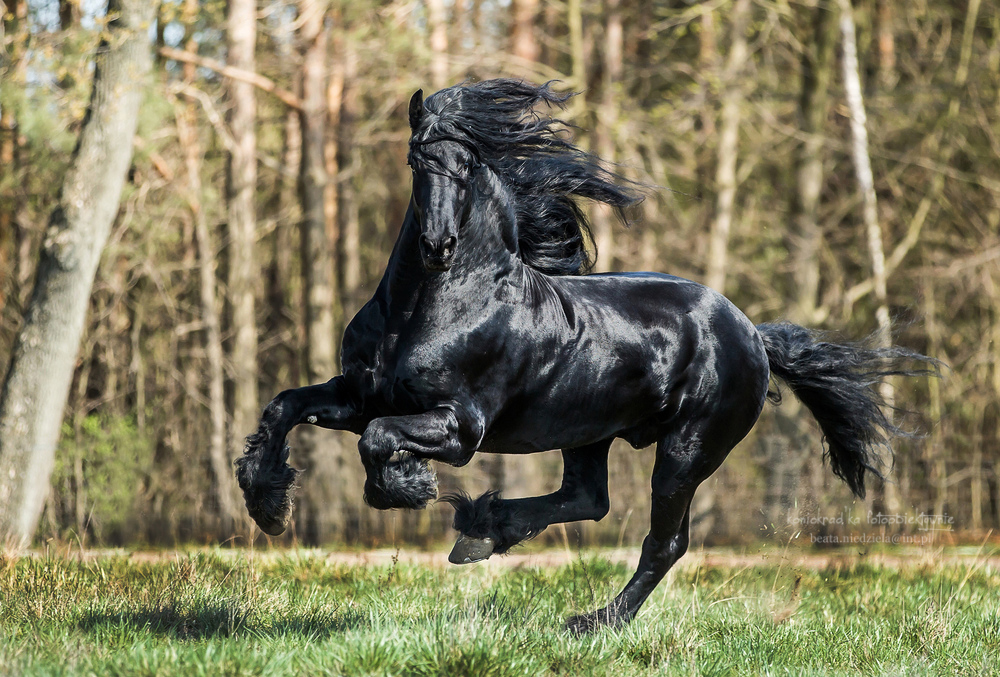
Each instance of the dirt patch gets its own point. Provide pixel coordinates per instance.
(793, 559)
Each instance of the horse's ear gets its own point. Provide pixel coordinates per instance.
(416, 108)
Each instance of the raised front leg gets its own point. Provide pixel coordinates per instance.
(263, 471)
(393, 451)
(491, 524)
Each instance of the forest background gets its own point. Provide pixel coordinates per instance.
(268, 182)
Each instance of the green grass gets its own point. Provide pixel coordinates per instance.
(296, 614)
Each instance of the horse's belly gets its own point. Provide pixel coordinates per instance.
(573, 420)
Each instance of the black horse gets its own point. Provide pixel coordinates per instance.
(484, 335)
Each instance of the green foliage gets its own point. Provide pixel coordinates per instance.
(104, 465)
(230, 612)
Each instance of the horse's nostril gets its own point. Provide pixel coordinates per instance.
(448, 247)
(426, 244)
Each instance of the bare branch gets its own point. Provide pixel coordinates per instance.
(255, 79)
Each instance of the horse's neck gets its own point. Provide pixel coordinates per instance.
(404, 277)
(492, 224)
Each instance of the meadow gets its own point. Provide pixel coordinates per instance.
(232, 612)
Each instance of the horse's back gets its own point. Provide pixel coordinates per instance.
(659, 302)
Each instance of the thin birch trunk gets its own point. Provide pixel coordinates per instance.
(869, 201)
(863, 168)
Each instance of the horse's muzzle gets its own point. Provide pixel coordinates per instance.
(438, 254)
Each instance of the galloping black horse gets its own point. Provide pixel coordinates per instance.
(485, 335)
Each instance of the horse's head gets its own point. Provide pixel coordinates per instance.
(443, 170)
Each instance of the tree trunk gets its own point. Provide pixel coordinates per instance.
(41, 367)
(12, 66)
(331, 198)
(241, 34)
(9, 165)
(317, 254)
(458, 32)
(604, 236)
(317, 257)
(708, 57)
(578, 59)
(817, 72)
(349, 242)
(222, 474)
(863, 167)
(888, 494)
(523, 43)
(69, 14)
(725, 175)
(223, 482)
(886, 45)
(437, 24)
(934, 449)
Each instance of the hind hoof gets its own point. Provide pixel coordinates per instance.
(585, 624)
(468, 550)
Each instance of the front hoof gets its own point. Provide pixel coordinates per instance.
(404, 482)
(269, 527)
(468, 550)
(267, 488)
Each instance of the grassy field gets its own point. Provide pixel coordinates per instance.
(298, 613)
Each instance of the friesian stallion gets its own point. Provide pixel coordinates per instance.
(486, 335)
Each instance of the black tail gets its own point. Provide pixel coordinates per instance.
(839, 382)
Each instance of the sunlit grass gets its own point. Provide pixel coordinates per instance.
(297, 614)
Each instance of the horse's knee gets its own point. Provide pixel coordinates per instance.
(276, 410)
(679, 544)
(588, 503)
(374, 446)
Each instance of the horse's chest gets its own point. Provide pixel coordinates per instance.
(413, 377)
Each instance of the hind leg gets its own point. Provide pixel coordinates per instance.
(678, 471)
(492, 525)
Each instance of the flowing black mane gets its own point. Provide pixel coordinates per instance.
(498, 122)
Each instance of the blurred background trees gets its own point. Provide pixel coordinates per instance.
(268, 184)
